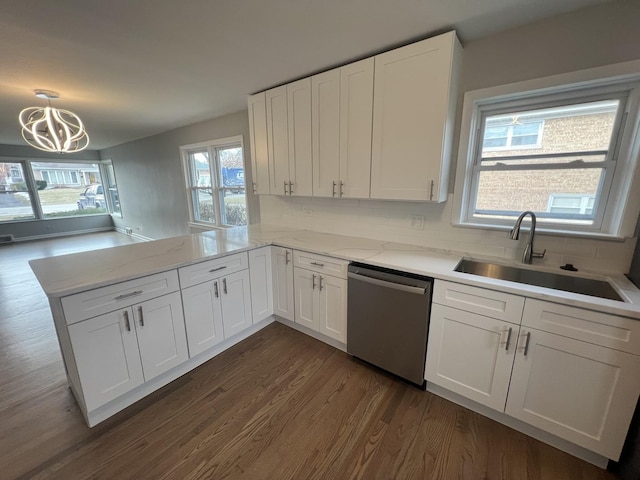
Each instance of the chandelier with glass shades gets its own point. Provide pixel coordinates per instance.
(52, 129)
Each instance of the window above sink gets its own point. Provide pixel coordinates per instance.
(564, 147)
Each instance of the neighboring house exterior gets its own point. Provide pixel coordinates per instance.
(570, 190)
(66, 174)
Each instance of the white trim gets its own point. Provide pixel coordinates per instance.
(623, 200)
(62, 234)
(545, 437)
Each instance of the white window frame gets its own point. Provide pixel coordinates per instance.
(509, 137)
(620, 205)
(217, 189)
(584, 201)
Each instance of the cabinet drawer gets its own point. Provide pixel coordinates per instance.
(320, 263)
(205, 271)
(490, 303)
(107, 299)
(598, 328)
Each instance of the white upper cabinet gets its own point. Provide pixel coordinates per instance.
(299, 122)
(278, 139)
(325, 107)
(259, 146)
(342, 106)
(413, 114)
(289, 138)
(356, 110)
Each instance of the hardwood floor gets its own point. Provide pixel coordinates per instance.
(279, 405)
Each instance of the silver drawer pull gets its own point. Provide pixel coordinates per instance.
(320, 284)
(224, 285)
(526, 343)
(506, 346)
(313, 282)
(128, 295)
(141, 316)
(215, 289)
(286, 257)
(217, 269)
(317, 264)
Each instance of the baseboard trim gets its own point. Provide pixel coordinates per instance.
(312, 333)
(549, 439)
(135, 236)
(62, 234)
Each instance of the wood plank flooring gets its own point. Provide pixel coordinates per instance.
(279, 405)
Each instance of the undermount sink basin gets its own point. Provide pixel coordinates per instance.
(584, 286)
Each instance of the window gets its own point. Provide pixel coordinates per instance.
(505, 132)
(214, 173)
(112, 187)
(567, 156)
(34, 190)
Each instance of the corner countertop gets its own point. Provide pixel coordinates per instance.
(68, 274)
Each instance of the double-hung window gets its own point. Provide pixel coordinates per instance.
(563, 156)
(214, 173)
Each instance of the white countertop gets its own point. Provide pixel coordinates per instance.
(68, 274)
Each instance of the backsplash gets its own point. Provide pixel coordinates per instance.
(429, 225)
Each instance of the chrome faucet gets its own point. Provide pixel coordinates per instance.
(514, 234)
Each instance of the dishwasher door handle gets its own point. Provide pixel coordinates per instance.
(383, 283)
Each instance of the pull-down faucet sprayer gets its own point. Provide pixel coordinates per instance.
(514, 234)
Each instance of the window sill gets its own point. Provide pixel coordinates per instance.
(546, 231)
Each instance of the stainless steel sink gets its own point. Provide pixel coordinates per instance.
(584, 286)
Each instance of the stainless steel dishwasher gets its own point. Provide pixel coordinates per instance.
(388, 319)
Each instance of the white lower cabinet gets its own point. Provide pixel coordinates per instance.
(119, 351)
(471, 354)
(321, 303)
(216, 310)
(282, 262)
(260, 271)
(578, 391)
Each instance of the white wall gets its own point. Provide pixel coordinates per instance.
(150, 177)
(587, 38)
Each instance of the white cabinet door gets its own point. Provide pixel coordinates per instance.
(282, 259)
(306, 298)
(278, 139)
(578, 391)
(259, 146)
(469, 355)
(107, 356)
(356, 113)
(261, 283)
(203, 316)
(236, 303)
(412, 120)
(325, 107)
(299, 122)
(333, 307)
(161, 334)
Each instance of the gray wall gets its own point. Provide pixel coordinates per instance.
(150, 178)
(55, 226)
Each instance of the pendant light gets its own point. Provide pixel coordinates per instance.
(51, 129)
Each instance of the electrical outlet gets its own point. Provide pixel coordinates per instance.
(128, 230)
(416, 222)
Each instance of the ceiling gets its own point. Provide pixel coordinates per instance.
(131, 69)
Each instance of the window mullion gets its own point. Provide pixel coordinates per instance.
(31, 187)
(214, 167)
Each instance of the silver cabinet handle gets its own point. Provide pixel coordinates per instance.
(317, 264)
(290, 188)
(255, 187)
(215, 289)
(313, 282)
(341, 188)
(320, 285)
(127, 324)
(217, 269)
(224, 285)
(333, 189)
(128, 295)
(506, 347)
(285, 187)
(141, 316)
(431, 190)
(526, 343)
(286, 257)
